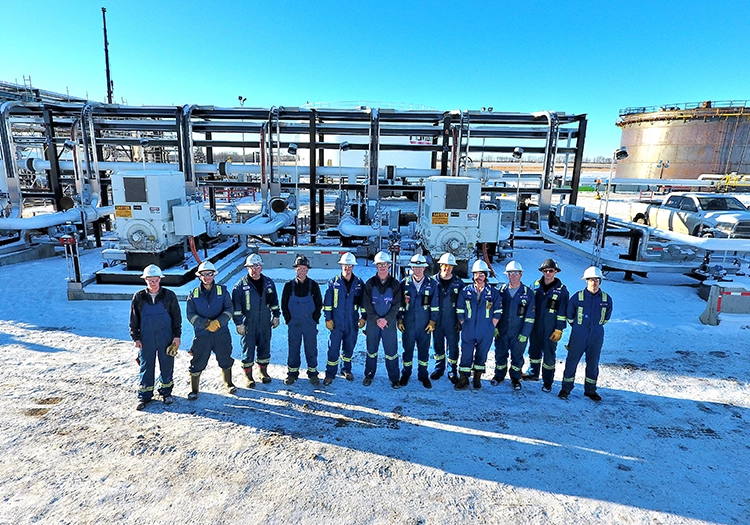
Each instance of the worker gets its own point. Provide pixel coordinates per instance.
(478, 310)
(301, 304)
(588, 311)
(447, 329)
(156, 328)
(381, 301)
(209, 310)
(344, 316)
(256, 312)
(514, 327)
(551, 303)
(417, 319)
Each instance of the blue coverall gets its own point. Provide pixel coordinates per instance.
(202, 307)
(301, 305)
(382, 300)
(155, 323)
(343, 306)
(254, 310)
(418, 308)
(448, 328)
(551, 309)
(475, 311)
(513, 329)
(587, 313)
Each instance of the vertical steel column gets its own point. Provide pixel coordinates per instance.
(185, 144)
(578, 160)
(51, 155)
(313, 177)
(446, 144)
(210, 160)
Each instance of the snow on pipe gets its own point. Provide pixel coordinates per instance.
(348, 227)
(75, 215)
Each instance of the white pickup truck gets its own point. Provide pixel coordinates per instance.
(699, 214)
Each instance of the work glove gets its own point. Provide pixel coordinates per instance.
(400, 325)
(556, 336)
(522, 338)
(172, 350)
(497, 332)
(241, 329)
(362, 322)
(213, 325)
(329, 324)
(430, 327)
(275, 322)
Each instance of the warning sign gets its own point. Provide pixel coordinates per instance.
(125, 212)
(439, 217)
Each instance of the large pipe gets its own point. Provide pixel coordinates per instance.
(348, 227)
(260, 225)
(74, 215)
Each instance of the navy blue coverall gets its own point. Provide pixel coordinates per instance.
(204, 306)
(155, 323)
(301, 304)
(382, 299)
(342, 304)
(418, 308)
(254, 309)
(448, 328)
(587, 313)
(551, 308)
(475, 311)
(513, 329)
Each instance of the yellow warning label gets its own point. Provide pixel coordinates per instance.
(124, 211)
(440, 217)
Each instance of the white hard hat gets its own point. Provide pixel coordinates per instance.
(253, 259)
(480, 266)
(206, 266)
(152, 271)
(592, 272)
(383, 257)
(418, 261)
(348, 259)
(513, 266)
(447, 258)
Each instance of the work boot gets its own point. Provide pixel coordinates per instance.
(327, 380)
(367, 381)
(249, 376)
(477, 382)
(497, 379)
(547, 387)
(348, 376)
(290, 379)
(463, 382)
(195, 380)
(593, 396)
(452, 377)
(404, 379)
(563, 394)
(530, 376)
(226, 374)
(437, 374)
(264, 377)
(426, 382)
(314, 380)
(516, 384)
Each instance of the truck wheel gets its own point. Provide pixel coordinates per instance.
(640, 219)
(698, 232)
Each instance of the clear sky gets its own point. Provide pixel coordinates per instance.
(588, 56)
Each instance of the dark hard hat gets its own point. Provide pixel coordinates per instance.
(301, 260)
(549, 263)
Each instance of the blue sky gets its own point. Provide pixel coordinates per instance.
(579, 57)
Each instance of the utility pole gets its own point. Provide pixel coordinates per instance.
(106, 56)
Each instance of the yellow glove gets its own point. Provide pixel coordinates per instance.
(430, 327)
(362, 323)
(241, 329)
(556, 336)
(329, 324)
(213, 325)
(400, 325)
(275, 322)
(172, 350)
(521, 338)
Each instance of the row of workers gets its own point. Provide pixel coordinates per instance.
(421, 307)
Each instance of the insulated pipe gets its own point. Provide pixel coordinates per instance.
(348, 227)
(74, 215)
(256, 226)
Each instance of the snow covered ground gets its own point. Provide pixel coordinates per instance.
(669, 443)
